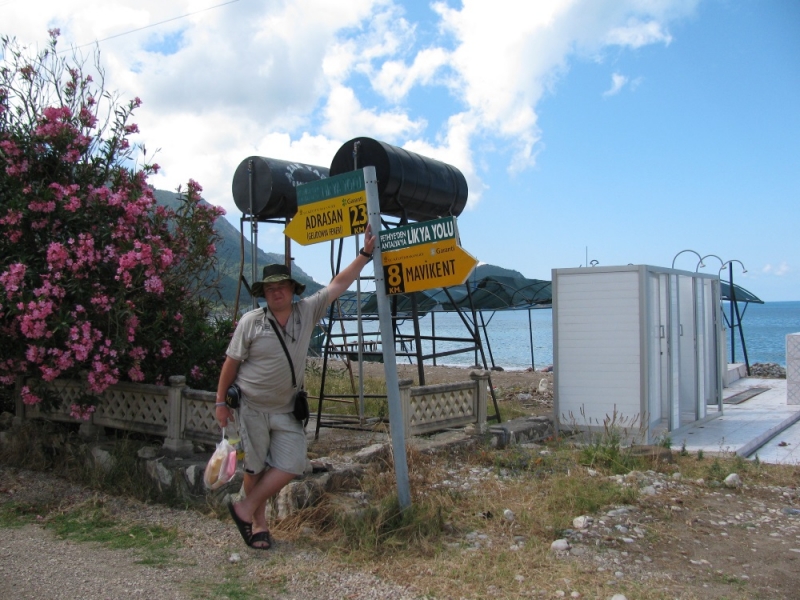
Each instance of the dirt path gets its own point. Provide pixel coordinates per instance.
(208, 560)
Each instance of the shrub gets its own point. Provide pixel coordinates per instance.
(95, 277)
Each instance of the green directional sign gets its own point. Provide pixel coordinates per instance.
(329, 209)
(425, 232)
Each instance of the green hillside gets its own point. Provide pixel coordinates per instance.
(229, 253)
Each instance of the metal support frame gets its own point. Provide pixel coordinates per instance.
(331, 348)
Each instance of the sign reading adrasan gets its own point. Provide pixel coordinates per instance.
(423, 256)
(329, 209)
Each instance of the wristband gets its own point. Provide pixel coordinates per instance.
(220, 404)
(363, 252)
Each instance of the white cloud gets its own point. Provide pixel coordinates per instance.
(395, 78)
(294, 79)
(617, 83)
(345, 118)
(636, 34)
(779, 270)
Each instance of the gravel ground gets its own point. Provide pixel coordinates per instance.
(209, 554)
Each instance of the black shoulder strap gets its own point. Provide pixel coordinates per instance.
(283, 345)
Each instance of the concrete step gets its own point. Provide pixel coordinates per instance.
(734, 372)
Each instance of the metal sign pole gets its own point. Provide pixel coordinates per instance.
(396, 424)
(253, 230)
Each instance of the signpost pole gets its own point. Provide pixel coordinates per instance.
(396, 424)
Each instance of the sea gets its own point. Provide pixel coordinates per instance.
(519, 339)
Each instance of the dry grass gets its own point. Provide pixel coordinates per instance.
(455, 541)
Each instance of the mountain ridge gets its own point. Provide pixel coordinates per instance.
(229, 258)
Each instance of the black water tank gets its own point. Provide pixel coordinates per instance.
(418, 187)
(274, 183)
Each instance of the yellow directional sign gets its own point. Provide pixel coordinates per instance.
(329, 209)
(426, 266)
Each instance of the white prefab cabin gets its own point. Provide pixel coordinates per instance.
(640, 343)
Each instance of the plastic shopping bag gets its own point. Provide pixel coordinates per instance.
(221, 466)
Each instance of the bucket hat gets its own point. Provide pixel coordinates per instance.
(274, 274)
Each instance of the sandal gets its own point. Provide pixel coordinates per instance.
(245, 528)
(261, 537)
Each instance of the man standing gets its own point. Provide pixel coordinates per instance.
(274, 440)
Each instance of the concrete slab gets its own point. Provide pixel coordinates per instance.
(749, 427)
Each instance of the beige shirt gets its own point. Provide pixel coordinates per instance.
(264, 374)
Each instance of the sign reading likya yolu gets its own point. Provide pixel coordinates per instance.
(426, 266)
(418, 233)
(329, 209)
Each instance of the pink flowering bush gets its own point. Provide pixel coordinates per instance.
(96, 279)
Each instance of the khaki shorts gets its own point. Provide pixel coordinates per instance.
(275, 440)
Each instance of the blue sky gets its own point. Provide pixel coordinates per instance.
(622, 131)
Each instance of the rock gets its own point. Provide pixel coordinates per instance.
(582, 522)
(194, 476)
(371, 453)
(102, 459)
(561, 545)
(544, 386)
(508, 515)
(234, 558)
(767, 371)
(733, 481)
(6, 419)
(148, 452)
(157, 470)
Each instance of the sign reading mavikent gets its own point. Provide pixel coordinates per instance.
(423, 256)
(329, 209)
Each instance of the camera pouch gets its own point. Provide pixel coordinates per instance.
(301, 411)
(233, 397)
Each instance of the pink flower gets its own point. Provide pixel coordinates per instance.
(28, 397)
(33, 322)
(81, 411)
(35, 354)
(154, 285)
(57, 256)
(166, 348)
(101, 302)
(135, 373)
(49, 373)
(12, 279)
(13, 217)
